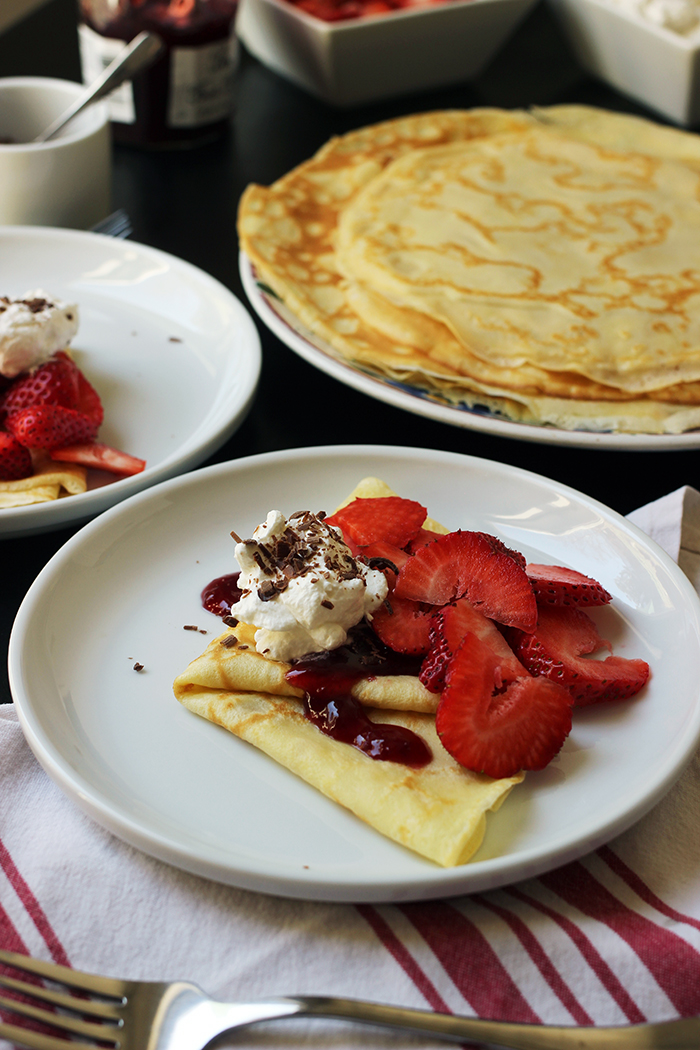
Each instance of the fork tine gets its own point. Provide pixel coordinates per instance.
(85, 982)
(103, 1032)
(92, 1007)
(37, 1040)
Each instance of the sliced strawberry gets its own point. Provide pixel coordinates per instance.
(89, 400)
(555, 585)
(557, 650)
(53, 383)
(447, 630)
(15, 459)
(388, 518)
(50, 426)
(100, 456)
(403, 625)
(384, 556)
(474, 564)
(499, 731)
(420, 539)
(438, 658)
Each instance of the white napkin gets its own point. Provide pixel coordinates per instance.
(611, 939)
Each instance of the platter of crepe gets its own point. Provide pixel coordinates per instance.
(184, 790)
(174, 355)
(533, 275)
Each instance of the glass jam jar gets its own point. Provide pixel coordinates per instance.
(185, 97)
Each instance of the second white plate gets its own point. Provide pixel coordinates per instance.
(173, 354)
(187, 791)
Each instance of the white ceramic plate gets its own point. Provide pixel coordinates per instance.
(402, 395)
(190, 793)
(174, 355)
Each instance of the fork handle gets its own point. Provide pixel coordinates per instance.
(665, 1035)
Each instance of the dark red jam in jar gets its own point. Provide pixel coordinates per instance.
(185, 97)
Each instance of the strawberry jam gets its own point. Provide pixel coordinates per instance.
(343, 718)
(327, 679)
(223, 592)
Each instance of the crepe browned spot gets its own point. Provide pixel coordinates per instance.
(439, 811)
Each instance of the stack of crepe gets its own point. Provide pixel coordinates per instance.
(439, 810)
(545, 265)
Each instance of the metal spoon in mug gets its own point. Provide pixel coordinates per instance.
(135, 56)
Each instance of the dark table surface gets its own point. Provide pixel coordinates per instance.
(185, 203)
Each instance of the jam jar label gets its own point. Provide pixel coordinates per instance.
(96, 53)
(201, 83)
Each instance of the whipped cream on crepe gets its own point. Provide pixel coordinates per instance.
(302, 588)
(32, 329)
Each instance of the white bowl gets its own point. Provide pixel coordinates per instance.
(645, 61)
(65, 181)
(379, 56)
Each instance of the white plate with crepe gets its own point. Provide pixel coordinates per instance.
(186, 791)
(531, 275)
(173, 353)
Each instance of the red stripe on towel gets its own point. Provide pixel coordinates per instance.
(642, 890)
(34, 910)
(403, 957)
(10, 939)
(612, 984)
(673, 963)
(541, 960)
(470, 962)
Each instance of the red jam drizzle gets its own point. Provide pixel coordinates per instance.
(223, 592)
(327, 680)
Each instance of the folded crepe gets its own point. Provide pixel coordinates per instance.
(50, 481)
(438, 810)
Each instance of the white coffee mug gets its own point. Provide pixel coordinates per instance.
(63, 182)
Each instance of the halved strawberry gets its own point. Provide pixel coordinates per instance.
(15, 459)
(475, 564)
(557, 650)
(53, 383)
(50, 426)
(556, 585)
(102, 457)
(494, 731)
(448, 629)
(403, 625)
(388, 518)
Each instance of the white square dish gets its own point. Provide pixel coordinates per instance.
(365, 59)
(641, 59)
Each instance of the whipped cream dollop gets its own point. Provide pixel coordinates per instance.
(301, 586)
(32, 329)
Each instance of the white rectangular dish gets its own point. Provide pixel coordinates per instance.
(378, 56)
(645, 61)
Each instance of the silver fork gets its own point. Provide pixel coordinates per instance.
(153, 1015)
(117, 224)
